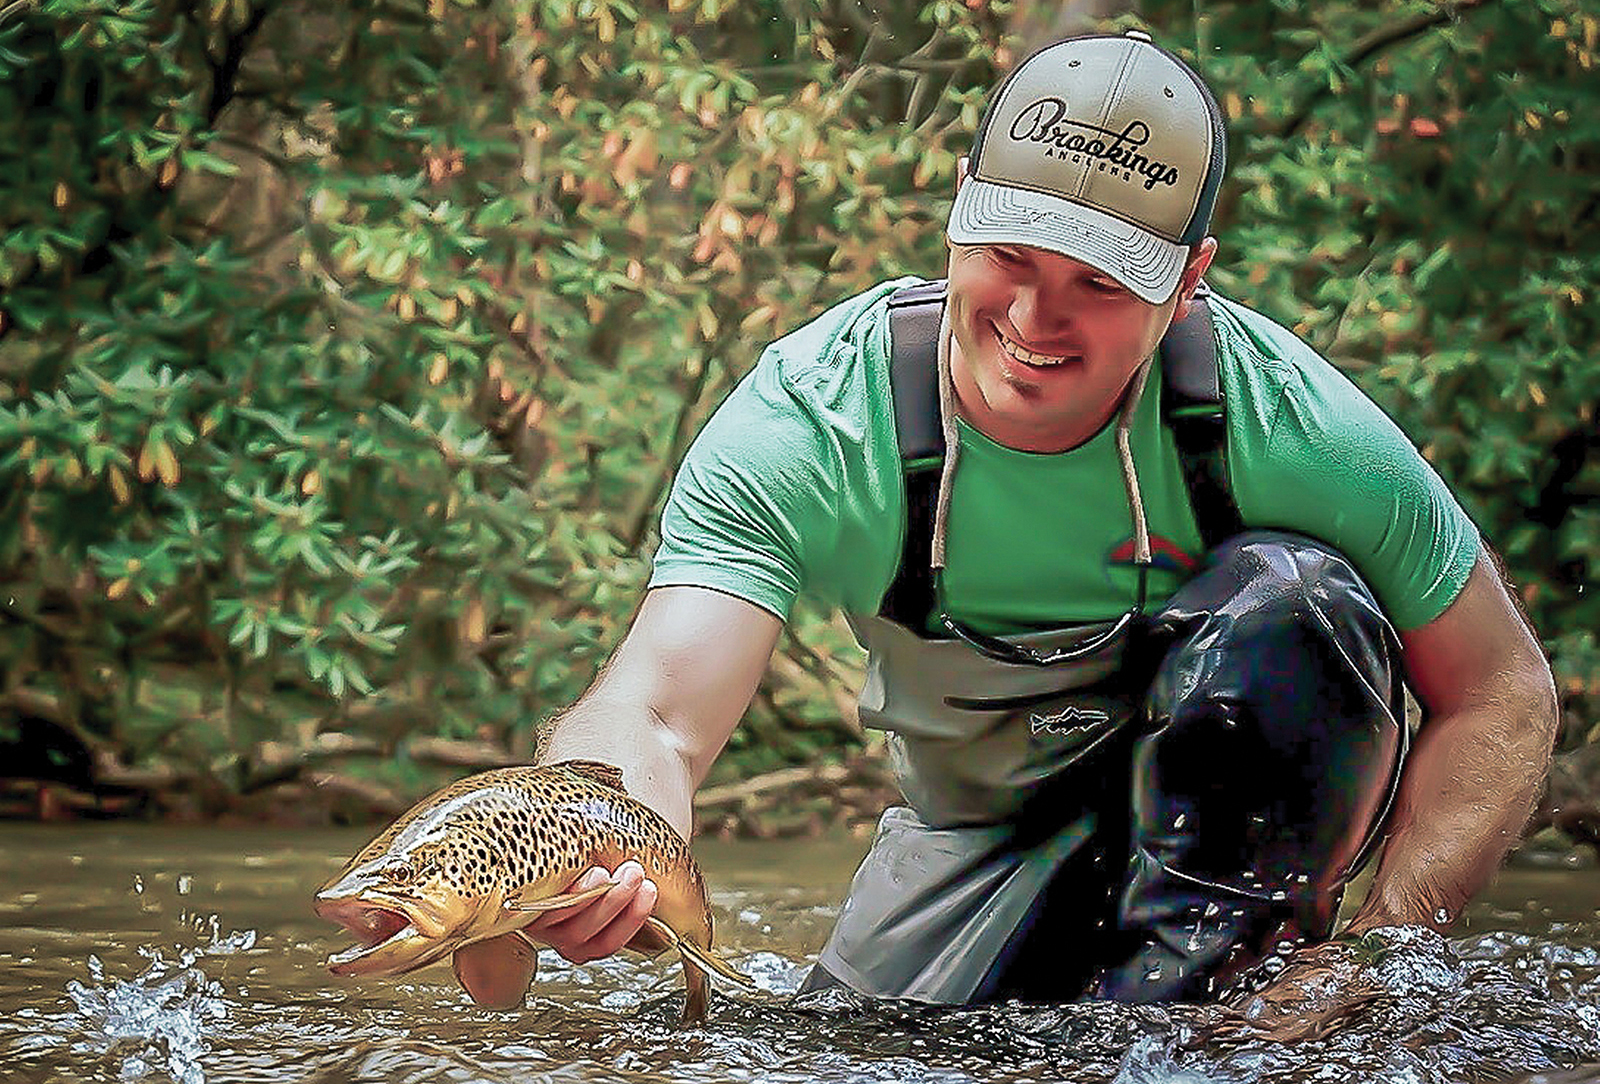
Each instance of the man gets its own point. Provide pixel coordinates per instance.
(1140, 752)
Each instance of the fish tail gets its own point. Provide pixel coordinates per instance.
(696, 996)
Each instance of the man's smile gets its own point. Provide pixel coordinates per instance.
(1033, 358)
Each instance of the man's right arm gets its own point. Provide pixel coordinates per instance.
(661, 710)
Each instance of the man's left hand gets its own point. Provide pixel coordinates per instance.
(1314, 996)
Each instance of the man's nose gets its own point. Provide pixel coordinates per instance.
(1041, 310)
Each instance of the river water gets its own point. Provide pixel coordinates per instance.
(132, 953)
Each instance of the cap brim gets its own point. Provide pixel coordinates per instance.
(995, 214)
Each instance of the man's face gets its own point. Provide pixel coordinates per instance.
(1045, 345)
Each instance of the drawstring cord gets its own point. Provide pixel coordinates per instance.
(1130, 477)
(952, 451)
(952, 441)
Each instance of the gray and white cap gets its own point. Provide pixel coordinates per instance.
(1107, 149)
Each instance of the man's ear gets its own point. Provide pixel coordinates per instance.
(1199, 260)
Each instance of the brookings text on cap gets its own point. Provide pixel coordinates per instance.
(1106, 149)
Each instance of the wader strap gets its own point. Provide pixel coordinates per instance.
(1191, 406)
(914, 314)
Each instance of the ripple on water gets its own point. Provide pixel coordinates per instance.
(227, 1006)
(1478, 1008)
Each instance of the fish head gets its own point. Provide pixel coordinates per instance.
(403, 903)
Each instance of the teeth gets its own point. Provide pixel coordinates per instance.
(1022, 353)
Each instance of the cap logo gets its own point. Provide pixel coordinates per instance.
(1045, 121)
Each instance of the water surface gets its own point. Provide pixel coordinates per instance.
(133, 953)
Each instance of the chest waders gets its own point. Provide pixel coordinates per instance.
(1038, 856)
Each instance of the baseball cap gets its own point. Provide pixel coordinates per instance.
(1105, 148)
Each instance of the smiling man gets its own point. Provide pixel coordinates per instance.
(1139, 576)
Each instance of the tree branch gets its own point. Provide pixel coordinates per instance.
(225, 73)
(1374, 43)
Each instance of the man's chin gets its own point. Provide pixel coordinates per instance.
(1036, 380)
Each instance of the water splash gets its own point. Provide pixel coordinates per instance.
(157, 1021)
(1484, 1007)
(773, 973)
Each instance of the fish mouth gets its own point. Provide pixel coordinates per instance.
(388, 941)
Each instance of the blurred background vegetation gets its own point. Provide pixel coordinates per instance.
(346, 350)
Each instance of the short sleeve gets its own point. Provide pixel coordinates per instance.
(1309, 452)
(754, 503)
(794, 484)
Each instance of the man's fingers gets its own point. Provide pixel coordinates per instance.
(583, 923)
(604, 924)
(550, 920)
(621, 929)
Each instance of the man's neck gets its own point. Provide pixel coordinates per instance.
(1063, 435)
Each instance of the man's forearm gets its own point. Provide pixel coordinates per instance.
(1467, 789)
(655, 767)
(663, 707)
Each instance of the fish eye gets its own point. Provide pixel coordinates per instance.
(399, 871)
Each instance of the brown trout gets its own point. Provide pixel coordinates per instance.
(462, 871)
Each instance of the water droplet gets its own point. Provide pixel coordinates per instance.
(185, 883)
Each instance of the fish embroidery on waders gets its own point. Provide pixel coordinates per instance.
(1068, 722)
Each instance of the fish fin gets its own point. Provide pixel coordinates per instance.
(607, 775)
(649, 943)
(516, 901)
(703, 957)
(498, 971)
(696, 995)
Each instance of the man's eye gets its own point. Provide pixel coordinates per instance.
(1007, 256)
(1107, 286)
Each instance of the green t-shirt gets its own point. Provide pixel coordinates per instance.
(796, 485)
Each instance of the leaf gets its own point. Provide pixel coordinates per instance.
(206, 162)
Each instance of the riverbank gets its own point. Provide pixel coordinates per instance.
(331, 782)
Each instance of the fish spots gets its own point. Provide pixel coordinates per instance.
(514, 826)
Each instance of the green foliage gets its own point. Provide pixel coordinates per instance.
(346, 351)
(1414, 191)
